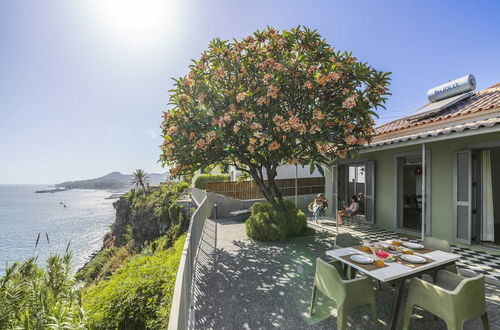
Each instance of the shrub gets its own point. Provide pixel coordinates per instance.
(267, 224)
(201, 180)
(32, 297)
(137, 296)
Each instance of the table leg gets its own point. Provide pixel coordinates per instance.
(397, 303)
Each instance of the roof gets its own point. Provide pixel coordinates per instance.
(479, 103)
(473, 125)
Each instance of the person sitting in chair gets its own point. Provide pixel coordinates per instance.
(348, 210)
(318, 204)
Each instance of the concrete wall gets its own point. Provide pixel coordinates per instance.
(441, 185)
(226, 204)
(284, 172)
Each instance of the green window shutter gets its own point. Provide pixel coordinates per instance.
(462, 195)
(370, 192)
(335, 189)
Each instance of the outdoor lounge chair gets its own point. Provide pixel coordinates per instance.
(346, 293)
(355, 216)
(453, 298)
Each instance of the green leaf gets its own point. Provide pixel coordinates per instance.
(321, 170)
(311, 168)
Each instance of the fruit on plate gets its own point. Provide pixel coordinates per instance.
(383, 255)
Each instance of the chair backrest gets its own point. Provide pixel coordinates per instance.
(328, 279)
(471, 296)
(346, 240)
(437, 244)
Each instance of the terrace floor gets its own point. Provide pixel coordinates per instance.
(244, 284)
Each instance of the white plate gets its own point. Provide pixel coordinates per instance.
(413, 245)
(413, 258)
(361, 259)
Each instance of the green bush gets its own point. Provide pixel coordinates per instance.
(32, 297)
(201, 180)
(104, 263)
(137, 296)
(267, 224)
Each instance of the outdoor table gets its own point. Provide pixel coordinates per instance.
(394, 272)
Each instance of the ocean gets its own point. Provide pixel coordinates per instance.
(24, 214)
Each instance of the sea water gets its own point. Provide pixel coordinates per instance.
(24, 214)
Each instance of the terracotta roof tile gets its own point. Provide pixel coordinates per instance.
(472, 125)
(483, 100)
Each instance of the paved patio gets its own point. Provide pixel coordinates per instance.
(472, 260)
(243, 284)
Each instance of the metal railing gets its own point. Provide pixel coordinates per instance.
(182, 300)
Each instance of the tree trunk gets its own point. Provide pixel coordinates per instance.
(269, 188)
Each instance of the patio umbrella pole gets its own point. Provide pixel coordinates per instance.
(423, 189)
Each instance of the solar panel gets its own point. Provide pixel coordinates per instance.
(434, 107)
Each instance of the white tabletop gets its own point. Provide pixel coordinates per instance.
(393, 270)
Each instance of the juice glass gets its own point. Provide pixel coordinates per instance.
(379, 262)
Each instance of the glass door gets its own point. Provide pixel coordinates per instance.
(410, 193)
(353, 183)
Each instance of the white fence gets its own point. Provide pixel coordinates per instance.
(183, 293)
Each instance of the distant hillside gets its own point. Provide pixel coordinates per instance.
(113, 180)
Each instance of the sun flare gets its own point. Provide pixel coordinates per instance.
(136, 20)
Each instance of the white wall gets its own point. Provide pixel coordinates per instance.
(284, 172)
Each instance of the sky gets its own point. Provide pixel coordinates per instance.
(83, 83)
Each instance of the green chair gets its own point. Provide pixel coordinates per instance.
(453, 298)
(345, 240)
(441, 245)
(346, 293)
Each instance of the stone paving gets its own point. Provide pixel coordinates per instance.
(471, 260)
(244, 284)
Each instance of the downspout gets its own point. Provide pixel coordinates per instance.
(424, 191)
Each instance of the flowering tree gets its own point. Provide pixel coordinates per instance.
(270, 99)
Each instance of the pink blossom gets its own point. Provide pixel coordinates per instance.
(318, 114)
(172, 130)
(220, 73)
(183, 97)
(256, 127)
(273, 91)
(248, 115)
(312, 69)
(240, 97)
(309, 85)
(211, 136)
(273, 146)
(314, 128)
(262, 100)
(351, 140)
(350, 102)
(342, 153)
(201, 144)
